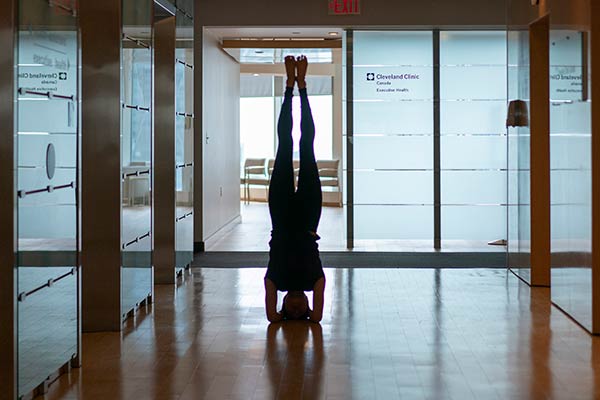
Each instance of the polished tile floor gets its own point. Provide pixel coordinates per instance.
(387, 334)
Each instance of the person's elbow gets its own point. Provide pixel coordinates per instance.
(315, 317)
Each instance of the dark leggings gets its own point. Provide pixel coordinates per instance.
(290, 209)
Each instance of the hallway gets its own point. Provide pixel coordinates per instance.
(386, 334)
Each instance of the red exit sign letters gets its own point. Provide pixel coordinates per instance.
(344, 7)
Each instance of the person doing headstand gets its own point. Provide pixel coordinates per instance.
(294, 263)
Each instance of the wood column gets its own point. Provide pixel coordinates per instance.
(539, 77)
(595, 95)
(100, 23)
(164, 150)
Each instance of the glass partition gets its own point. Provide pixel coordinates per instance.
(393, 136)
(519, 210)
(48, 160)
(184, 139)
(136, 154)
(473, 138)
(570, 174)
(396, 156)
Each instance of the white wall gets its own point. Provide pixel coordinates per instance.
(221, 137)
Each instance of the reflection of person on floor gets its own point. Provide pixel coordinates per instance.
(294, 361)
(294, 263)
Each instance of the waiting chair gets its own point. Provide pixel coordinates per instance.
(254, 174)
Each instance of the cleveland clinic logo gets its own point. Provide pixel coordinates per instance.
(370, 76)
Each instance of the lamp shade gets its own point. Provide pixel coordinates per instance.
(517, 114)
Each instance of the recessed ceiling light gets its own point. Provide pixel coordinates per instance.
(332, 33)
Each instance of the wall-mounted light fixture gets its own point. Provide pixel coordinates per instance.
(518, 114)
(535, 2)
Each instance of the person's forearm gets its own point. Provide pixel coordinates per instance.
(315, 316)
(276, 317)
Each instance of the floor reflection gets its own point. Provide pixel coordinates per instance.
(386, 334)
(294, 359)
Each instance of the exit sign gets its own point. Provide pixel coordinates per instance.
(344, 7)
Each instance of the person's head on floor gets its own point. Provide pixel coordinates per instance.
(295, 305)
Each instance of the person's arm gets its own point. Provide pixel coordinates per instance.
(316, 314)
(271, 302)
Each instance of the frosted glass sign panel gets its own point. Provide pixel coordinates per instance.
(47, 202)
(571, 178)
(393, 135)
(473, 136)
(566, 71)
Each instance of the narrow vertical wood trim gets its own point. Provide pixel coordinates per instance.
(350, 139)
(437, 181)
(100, 23)
(595, 95)
(539, 76)
(8, 203)
(585, 62)
(164, 151)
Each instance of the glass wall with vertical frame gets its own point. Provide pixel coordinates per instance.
(473, 139)
(519, 209)
(136, 154)
(184, 136)
(570, 174)
(48, 162)
(393, 136)
(394, 97)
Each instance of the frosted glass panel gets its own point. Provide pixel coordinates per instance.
(570, 159)
(393, 48)
(473, 117)
(393, 187)
(393, 222)
(480, 223)
(393, 152)
(393, 136)
(457, 48)
(382, 117)
(46, 206)
(571, 187)
(473, 187)
(473, 112)
(376, 83)
(478, 152)
(566, 72)
(563, 120)
(473, 82)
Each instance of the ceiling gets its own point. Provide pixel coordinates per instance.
(275, 32)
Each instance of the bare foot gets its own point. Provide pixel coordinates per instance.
(301, 67)
(290, 70)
